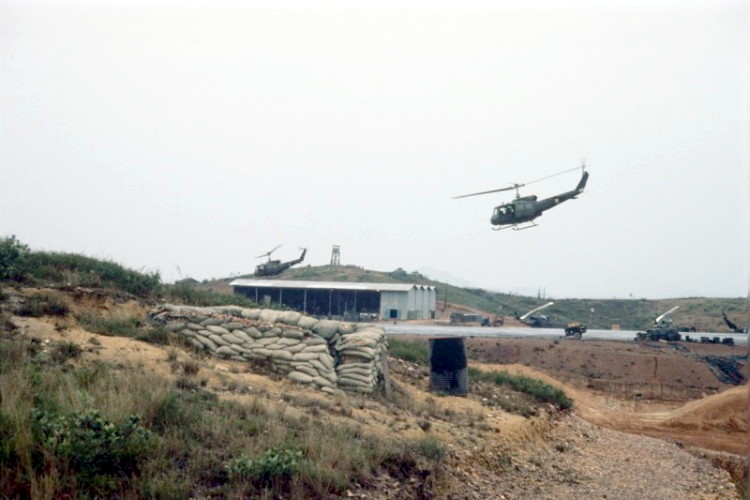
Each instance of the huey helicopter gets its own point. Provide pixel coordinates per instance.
(540, 321)
(527, 208)
(732, 326)
(274, 267)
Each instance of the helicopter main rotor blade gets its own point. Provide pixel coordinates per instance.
(516, 186)
(553, 175)
(269, 252)
(488, 192)
(657, 320)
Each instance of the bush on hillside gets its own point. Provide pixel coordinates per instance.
(89, 445)
(79, 270)
(276, 464)
(13, 256)
(184, 293)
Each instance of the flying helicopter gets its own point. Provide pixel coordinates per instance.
(274, 267)
(524, 209)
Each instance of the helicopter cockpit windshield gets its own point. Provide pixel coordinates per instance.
(505, 210)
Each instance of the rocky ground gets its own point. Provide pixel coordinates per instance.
(580, 460)
(566, 456)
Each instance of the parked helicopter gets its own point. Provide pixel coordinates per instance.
(732, 326)
(274, 267)
(540, 321)
(664, 329)
(527, 208)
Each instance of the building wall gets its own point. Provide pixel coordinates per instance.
(418, 303)
(395, 300)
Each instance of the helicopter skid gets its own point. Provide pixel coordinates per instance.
(516, 227)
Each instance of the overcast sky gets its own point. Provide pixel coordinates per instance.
(201, 134)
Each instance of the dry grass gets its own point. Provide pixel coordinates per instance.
(193, 434)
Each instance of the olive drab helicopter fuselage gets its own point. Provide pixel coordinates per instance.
(525, 209)
(274, 267)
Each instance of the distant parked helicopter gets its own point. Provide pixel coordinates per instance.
(664, 329)
(540, 321)
(527, 208)
(274, 267)
(731, 324)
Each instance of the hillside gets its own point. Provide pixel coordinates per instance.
(631, 314)
(98, 401)
(89, 373)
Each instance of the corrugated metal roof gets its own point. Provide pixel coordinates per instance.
(330, 285)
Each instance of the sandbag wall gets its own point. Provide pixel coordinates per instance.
(326, 354)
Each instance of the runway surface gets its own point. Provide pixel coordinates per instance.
(405, 328)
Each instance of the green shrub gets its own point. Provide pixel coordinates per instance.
(13, 256)
(89, 445)
(79, 270)
(65, 351)
(275, 465)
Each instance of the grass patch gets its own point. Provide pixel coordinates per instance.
(131, 326)
(43, 304)
(408, 351)
(430, 448)
(118, 327)
(185, 293)
(540, 391)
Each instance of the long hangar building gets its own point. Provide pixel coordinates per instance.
(346, 299)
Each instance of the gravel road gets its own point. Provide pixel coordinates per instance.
(581, 460)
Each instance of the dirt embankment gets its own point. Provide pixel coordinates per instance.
(656, 391)
(656, 371)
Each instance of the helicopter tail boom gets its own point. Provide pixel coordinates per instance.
(582, 183)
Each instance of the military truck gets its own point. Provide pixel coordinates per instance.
(575, 329)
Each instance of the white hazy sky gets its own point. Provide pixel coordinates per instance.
(201, 134)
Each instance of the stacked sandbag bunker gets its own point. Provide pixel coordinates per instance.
(360, 358)
(326, 354)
